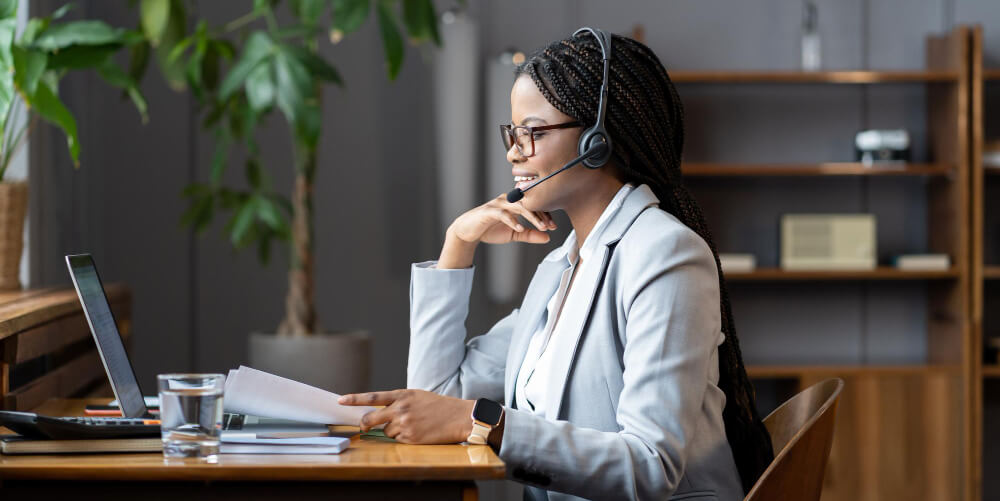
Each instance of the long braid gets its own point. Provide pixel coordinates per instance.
(645, 119)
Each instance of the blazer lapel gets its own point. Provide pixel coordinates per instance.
(543, 285)
(577, 310)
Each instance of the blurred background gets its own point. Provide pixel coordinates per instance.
(399, 159)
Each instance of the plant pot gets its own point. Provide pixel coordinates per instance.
(13, 207)
(337, 362)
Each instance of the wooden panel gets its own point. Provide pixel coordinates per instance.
(977, 261)
(835, 77)
(991, 73)
(25, 310)
(57, 334)
(896, 436)
(880, 273)
(67, 380)
(366, 459)
(821, 169)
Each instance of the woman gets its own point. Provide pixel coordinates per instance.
(620, 374)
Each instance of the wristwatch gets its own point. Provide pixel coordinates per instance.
(486, 415)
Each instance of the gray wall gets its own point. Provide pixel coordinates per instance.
(195, 300)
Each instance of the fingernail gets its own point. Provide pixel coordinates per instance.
(520, 228)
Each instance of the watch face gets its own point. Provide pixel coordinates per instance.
(487, 411)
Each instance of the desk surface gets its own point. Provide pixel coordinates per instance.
(366, 459)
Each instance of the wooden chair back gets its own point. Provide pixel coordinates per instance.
(801, 433)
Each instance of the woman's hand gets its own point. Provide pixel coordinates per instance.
(416, 416)
(494, 222)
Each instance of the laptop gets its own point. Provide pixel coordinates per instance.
(136, 419)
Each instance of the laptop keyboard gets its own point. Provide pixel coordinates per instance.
(106, 421)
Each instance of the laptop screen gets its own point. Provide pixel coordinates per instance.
(105, 330)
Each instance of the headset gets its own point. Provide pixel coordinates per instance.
(595, 146)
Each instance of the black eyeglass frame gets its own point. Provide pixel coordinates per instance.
(508, 134)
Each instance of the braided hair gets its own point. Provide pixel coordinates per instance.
(645, 119)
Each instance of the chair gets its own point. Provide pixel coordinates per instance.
(801, 433)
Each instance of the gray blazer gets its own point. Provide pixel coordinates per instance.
(640, 413)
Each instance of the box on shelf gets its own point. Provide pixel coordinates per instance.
(828, 242)
(737, 263)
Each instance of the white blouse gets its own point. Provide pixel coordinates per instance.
(548, 341)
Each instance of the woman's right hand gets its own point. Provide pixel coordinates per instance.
(494, 222)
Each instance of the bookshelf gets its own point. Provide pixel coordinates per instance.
(985, 261)
(918, 411)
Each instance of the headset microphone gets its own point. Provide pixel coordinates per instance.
(595, 151)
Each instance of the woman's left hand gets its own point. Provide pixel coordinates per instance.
(416, 416)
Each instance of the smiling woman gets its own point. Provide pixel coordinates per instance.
(620, 373)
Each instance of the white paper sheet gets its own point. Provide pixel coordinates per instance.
(254, 392)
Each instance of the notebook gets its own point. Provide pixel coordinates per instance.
(16, 444)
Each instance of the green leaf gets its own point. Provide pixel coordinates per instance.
(179, 49)
(28, 68)
(242, 222)
(268, 212)
(7, 27)
(154, 15)
(220, 156)
(308, 11)
(253, 173)
(260, 88)
(420, 20)
(173, 71)
(8, 8)
(90, 32)
(50, 108)
(260, 5)
(391, 41)
(82, 56)
(349, 15)
(257, 49)
(61, 11)
(114, 75)
(199, 212)
(138, 60)
(316, 65)
(210, 67)
(293, 85)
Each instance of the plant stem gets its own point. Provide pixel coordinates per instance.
(240, 22)
(300, 303)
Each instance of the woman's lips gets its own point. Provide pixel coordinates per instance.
(522, 182)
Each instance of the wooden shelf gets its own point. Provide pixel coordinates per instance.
(991, 272)
(991, 371)
(820, 169)
(795, 371)
(880, 273)
(991, 73)
(833, 77)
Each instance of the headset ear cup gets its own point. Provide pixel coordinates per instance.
(590, 137)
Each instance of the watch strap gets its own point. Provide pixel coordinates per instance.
(480, 432)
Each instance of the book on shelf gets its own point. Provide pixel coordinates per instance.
(922, 262)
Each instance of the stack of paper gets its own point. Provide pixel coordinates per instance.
(257, 393)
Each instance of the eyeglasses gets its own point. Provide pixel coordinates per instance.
(524, 135)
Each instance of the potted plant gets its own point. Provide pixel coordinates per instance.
(31, 66)
(278, 68)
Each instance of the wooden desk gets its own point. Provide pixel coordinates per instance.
(370, 469)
